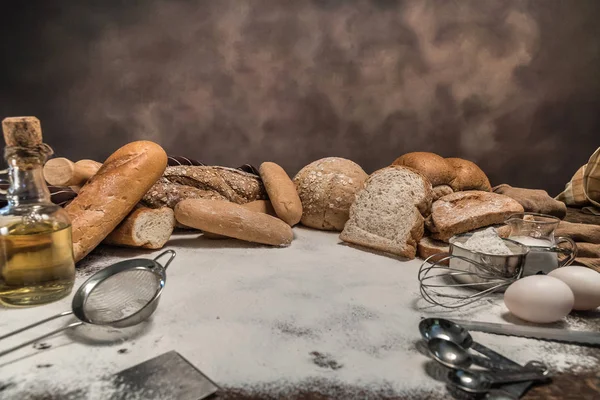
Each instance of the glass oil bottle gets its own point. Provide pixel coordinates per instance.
(36, 249)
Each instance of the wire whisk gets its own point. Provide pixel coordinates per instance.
(463, 277)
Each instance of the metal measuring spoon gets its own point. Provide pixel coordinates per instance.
(432, 328)
(439, 327)
(480, 382)
(454, 356)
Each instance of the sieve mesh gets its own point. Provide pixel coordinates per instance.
(121, 295)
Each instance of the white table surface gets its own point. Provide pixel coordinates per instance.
(250, 316)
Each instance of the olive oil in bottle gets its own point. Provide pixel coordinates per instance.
(36, 249)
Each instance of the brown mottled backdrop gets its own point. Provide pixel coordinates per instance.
(511, 85)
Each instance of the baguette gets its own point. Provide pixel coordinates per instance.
(260, 206)
(145, 227)
(282, 193)
(106, 199)
(232, 220)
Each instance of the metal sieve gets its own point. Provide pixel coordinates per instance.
(121, 295)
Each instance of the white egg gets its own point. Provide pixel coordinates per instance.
(539, 298)
(584, 283)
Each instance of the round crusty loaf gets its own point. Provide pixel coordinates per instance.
(232, 220)
(434, 167)
(282, 193)
(106, 199)
(468, 176)
(327, 188)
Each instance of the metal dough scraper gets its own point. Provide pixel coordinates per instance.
(168, 376)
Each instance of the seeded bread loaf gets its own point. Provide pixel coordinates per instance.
(465, 211)
(233, 220)
(387, 214)
(167, 194)
(327, 188)
(233, 184)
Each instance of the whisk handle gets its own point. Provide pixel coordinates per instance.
(32, 341)
(62, 314)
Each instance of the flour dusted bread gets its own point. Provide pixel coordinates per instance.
(327, 188)
(465, 211)
(145, 227)
(108, 197)
(233, 220)
(387, 214)
(282, 193)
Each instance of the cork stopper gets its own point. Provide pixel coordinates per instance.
(22, 131)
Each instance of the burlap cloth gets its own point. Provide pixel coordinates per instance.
(583, 190)
(534, 200)
(587, 238)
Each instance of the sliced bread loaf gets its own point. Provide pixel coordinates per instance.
(465, 211)
(427, 247)
(387, 214)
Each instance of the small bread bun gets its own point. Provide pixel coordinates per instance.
(468, 176)
(434, 167)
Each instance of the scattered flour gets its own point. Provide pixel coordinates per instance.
(315, 316)
(487, 241)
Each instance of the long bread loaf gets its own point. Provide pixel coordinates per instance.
(106, 199)
(149, 228)
(232, 220)
(282, 193)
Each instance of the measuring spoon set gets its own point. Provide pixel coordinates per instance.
(484, 372)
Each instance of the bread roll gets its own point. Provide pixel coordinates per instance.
(434, 167)
(468, 176)
(388, 213)
(144, 227)
(232, 220)
(282, 193)
(327, 189)
(111, 194)
(64, 172)
(260, 206)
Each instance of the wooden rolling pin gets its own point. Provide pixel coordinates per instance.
(64, 172)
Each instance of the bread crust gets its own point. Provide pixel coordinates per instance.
(327, 188)
(282, 193)
(233, 220)
(428, 247)
(468, 176)
(125, 234)
(106, 199)
(466, 211)
(260, 206)
(432, 166)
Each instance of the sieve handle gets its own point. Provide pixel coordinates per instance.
(171, 252)
(32, 341)
(62, 314)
